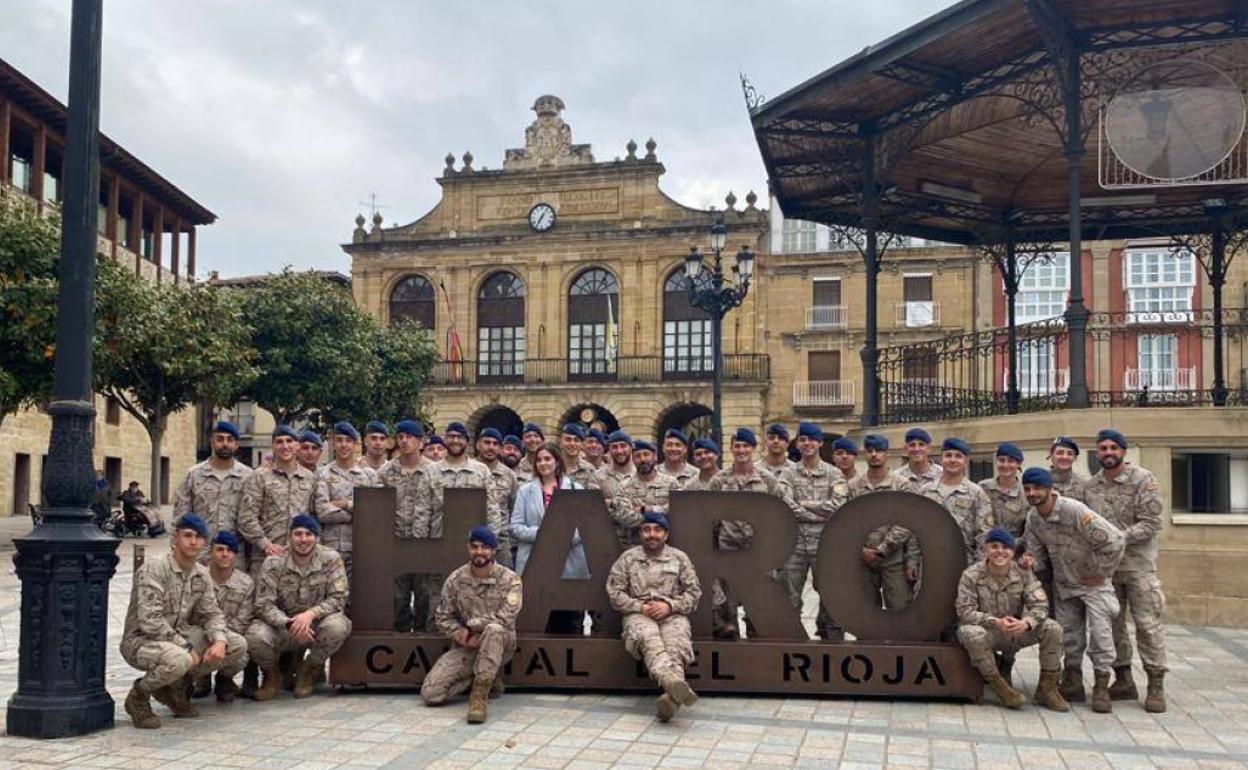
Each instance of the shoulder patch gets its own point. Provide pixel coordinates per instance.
(1151, 487)
(1086, 519)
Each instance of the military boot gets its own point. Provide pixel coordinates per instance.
(305, 678)
(139, 707)
(1046, 693)
(1010, 697)
(479, 698)
(1101, 702)
(1005, 665)
(1155, 701)
(675, 686)
(1072, 685)
(201, 686)
(173, 696)
(251, 680)
(498, 688)
(268, 690)
(287, 665)
(1123, 687)
(665, 708)
(225, 688)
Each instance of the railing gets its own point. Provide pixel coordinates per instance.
(826, 317)
(1039, 382)
(743, 367)
(915, 315)
(1160, 379)
(823, 393)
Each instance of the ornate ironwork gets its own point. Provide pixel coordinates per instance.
(753, 99)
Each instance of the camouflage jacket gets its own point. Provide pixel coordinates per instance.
(471, 474)
(697, 484)
(413, 490)
(736, 535)
(1132, 503)
(984, 597)
(237, 599)
(971, 509)
(584, 474)
(363, 462)
(611, 481)
(500, 498)
(932, 474)
(1069, 484)
(212, 496)
(334, 483)
(824, 486)
(472, 603)
(775, 471)
(1075, 542)
(167, 601)
(271, 498)
(1009, 506)
(287, 589)
(683, 475)
(636, 496)
(896, 544)
(637, 577)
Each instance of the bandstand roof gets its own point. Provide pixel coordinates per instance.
(966, 120)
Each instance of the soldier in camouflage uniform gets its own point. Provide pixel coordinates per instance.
(1002, 608)
(966, 502)
(271, 496)
(236, 595)
(1083, 549)
(299, 609)
(1062, 456)
(410, 474)
(335, 492)
(776, 455)
(501, 492)
(656, 589)
(511, 452)
(434, 449)
(310, 448)
(816, 490)
(1005, 491)
(595, 448)
(1128, 496)
(648, 489)
(891, 552)
(845, 457)
(919, 467)
(579, 470)
(376, 445)
(477, 612)
(532, 437)
(675, 457)
(174, 627)
(213, 489)
(706, 460)
(618, 469)
(454, 471)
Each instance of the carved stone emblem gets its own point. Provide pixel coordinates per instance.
(547, 140)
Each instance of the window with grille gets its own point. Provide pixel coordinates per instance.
(500, 327)
(1042, 288)
(593, 309)
(1159, 284)
(686, 329)
(797, 236)
(1157, 363)
(414, 298)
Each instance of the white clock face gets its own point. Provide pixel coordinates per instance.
(542, 217)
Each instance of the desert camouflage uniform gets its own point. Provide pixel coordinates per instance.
(1132, 502)
(584, 474)
(984, 597)
(500, 499)
(1078, 543)
(365, 462)
(271, 498)
(917, 480)
(775, 471)
(735, 535)
(697, 484)
(487, 607)
(287, 589)
(173, 611)
(897, 546)
(237, 599)
(1069, 484)
(1009, 506)
(666, 645)
(524, 471)
(636, 496)
(825, 486)
(683, 475)
(971, 509)
(470, 474)
(334, 483)
(611, 481)
(213, 497)
(413, 491)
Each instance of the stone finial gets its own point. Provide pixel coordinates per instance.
(548, 106)
(651, 146)
(376, 219)
(450, 163)
(467, 161)
(358, 234)
(632, 149)
(750, 199)
(731, 200)
(359, 220)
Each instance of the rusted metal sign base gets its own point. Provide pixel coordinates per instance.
(897, 670)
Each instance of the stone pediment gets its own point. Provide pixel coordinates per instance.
(547, 141)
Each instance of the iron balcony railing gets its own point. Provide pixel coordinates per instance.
(826, 317)
(738, 367)
(823, 393)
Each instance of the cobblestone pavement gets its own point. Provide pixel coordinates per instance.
(1208, 692)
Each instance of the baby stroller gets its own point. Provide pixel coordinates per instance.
(138, 520)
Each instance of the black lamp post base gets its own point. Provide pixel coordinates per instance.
(58, 716)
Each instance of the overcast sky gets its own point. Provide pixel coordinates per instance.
(283, 116)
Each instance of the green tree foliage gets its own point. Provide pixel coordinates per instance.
(163, 347)
(29, 246)
(406, 353)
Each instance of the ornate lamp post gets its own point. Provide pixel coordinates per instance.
(716, 295)
(66, 562)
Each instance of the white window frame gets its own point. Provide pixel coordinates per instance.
(1159, 284)
(1157, 375)
(798, 236)
(919, 313)
(1042, 289)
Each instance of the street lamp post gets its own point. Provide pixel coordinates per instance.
(716, 295)
(65, 563)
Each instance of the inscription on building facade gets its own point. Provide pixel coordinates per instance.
(591, 200)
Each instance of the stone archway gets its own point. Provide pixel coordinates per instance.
(591, 416)
(497, 416)
(692, 418)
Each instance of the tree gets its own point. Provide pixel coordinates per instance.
(161, 348)
(406, 354)
(29, 249)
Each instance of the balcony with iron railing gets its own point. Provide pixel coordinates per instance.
(1160, 379)
(809, 394)
(822, 317)
(917, 314)
(539, 372)
(1039, 382)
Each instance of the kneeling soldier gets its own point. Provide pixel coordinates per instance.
(656, 589)
(477, 611)
(174, 627)
(299, 606)
(1002, 608)
(236, 596)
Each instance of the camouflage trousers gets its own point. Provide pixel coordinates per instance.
(454, 671)
(1141, 593)
(666, 646)
(166, 663)
(889, 581)
(267, 643)
(793, 577)
(415, 597)
(981, 643)
(1087, 622)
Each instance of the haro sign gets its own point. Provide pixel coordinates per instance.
(897, 653)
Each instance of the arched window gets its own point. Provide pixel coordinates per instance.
(686, 330)
(413, 297)
(593, 325)
(500, 328)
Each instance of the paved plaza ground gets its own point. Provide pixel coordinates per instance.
(1205, 727)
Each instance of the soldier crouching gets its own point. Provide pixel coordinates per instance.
(175, 629)
(477, 612)
(1002, 608)
(655, 588)
(299, 609)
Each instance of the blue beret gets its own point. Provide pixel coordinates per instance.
(707, 444)
(956, 445)
(345, 428)
(1109, 434)
(304, 521)
(640, 445)
(493, 433)
(532, 427)
(677, 434)
(192, 522)
(286, 430)
(918, 434)
(455, 427)
(514, 441)
(225, 426)
(597, 435)
(999, 535)
(573, 429)
(435, 440)
(845, 443)
(777, 429)
(1009, 450)
(376, 426)
(617, 436)
(746, 435)
(311, 437)
(1038, 477)
(484, 536)
(809, 430)
(227, 539)
(654, 517)
(410, 427)
(1065, 441)
(874, 441)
